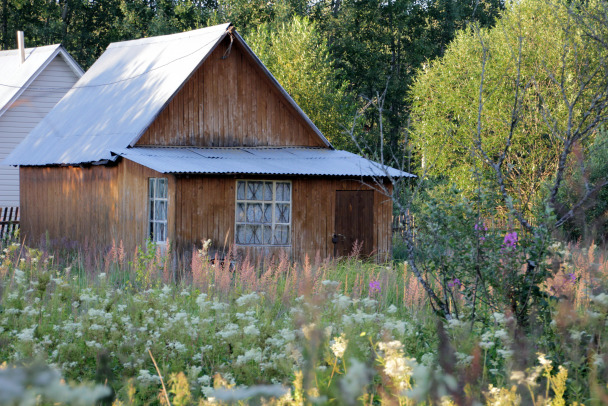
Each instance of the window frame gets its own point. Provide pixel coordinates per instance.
(152, 222)
(273, 203)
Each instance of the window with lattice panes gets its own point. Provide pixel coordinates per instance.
(263, 212)
(158, 202)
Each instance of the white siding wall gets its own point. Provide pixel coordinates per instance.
(24, 114)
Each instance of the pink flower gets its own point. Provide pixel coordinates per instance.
(510, 239)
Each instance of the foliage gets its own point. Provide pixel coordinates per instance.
(520, 89)
(474, 266)
(298, 57)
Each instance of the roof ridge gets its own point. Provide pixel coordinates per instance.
(167, 37)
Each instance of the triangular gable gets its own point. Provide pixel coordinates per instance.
(119, 97)
(232, 100)
(17, 76)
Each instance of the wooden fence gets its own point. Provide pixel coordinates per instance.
(9, 221)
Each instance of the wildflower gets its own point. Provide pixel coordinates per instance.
(254, 354)
(544, 361)
(338, 347)
(454, 283)
(392, 309)
(571, 278)
(510, 240)
(374, 287)
(246, 300)
(251, 330)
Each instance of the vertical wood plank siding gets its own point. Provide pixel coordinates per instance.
(206, 210)
(226, 103)
(92, 206)
(100, 204)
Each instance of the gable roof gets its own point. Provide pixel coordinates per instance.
(17, 76)
(258, 161)
(119, 97)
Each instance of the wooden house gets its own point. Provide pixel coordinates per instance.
(32, 81)
(188, 137)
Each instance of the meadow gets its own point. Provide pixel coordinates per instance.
(77, 329)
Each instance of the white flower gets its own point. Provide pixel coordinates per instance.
(247, 300)
(506, 354)
(338, 346)
(392, 309)
(229, 330)
(601, 299)
(544, 361)
(254, 354)
(501, 334)
(251, 330)
(27, 334)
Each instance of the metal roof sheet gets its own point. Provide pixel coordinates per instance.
(16, 76)
(119, 97)
(263, 161)
(116, 99)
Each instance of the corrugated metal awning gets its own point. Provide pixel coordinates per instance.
(262, 161)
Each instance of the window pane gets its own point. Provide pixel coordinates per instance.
(268, 191)
(281, 214)
(283, 192)
(161, 235)
(162, 188)
(240, 234)
(152, 182)
(240, 212)
(267, 217)
(254, 213)
(240, 190)
(267, 235)
(253, 234)
(160, 210)
(254, 190)
(281, 235)
(151, 204)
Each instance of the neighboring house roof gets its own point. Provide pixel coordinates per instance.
(118, 98)
(15, 77)
(260, 161)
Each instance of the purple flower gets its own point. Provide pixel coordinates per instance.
(510, 239)
(571, 278)
(455, 282)
(374, 286)
(480, 227)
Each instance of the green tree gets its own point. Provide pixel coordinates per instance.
(378, 45)
(298, 57)
(511, 103)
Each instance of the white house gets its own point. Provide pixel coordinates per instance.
(32, 81)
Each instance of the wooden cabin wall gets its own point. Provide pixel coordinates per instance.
(69, 204)
(228, 103)
(91, 206)
(206, 210)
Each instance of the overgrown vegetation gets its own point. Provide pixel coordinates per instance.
(344, 332)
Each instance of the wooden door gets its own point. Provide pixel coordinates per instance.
(354, 221)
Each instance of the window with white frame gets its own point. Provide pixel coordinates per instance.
(158, 202)
(263, 212)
